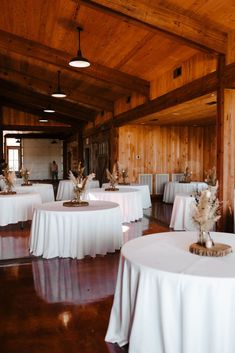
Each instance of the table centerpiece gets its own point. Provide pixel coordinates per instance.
(186, 178)
(113, 179)
(79, 182)
(25, 173)
(8, 178)
(206, 212)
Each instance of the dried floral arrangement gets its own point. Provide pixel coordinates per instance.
(211, 177)
(124, 175)
(80, 183)
(186, 178)
(25, 173)
(8, 178)
(206, 212)
(112, 178)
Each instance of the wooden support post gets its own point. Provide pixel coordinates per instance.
(225, 150)
(65, 159)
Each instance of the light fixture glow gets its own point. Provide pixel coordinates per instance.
(43, 120)
(58, 93)
(49, 110)
(79, 60)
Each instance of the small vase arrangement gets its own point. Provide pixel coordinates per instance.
(8, 178)
(113, 179)
(80, 183)
(124, 176)
(187, 176)
(25, 173)
(206, 212)
(211, 177)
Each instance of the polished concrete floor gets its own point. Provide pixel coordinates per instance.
(61, 305)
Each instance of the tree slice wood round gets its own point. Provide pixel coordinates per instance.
(7, 192)
(111, 189)
(75, 204)
(217, 250)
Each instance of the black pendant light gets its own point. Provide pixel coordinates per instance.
(49, 109)
(58, 93)
(79, 60)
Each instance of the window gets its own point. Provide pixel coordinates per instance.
(13, 158)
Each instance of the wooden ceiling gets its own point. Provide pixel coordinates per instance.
(126, 44)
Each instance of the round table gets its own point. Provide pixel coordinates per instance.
(144, 190)
(65, 189)
(168, 300)
(128, 199)
(18, 207)
(181, 217)
(172, 188)
(45, 190)
(76, 231)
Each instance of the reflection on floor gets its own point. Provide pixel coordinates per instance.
(61, 305)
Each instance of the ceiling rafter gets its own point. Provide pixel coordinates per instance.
(18, 93)
(58, 58)
(191, 31)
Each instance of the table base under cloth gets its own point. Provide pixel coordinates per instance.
(129, 201)
(18, 207)
(144, 190)
(168, 300)
(45, 190)
(75, 232)
(172, 188)
(181, 217)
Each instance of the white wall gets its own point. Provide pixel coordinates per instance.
(38, 155)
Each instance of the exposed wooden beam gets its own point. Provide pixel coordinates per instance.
(169, 21)
(41, 84)
(30, 108)
(18, 93)
(194, 89)
(60, 59)
(228, 78)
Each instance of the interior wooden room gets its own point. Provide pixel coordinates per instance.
(117, 176)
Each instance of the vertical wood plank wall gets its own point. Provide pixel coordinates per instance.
(166, 149)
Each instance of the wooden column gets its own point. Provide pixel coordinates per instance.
(65, 160)
(1, 133)
(225, 150)
(114, 135)
(80, 146)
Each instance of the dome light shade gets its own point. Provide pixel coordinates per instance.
(79, 60)
(49, 109)
(58, 93)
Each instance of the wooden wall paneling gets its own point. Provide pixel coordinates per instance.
(163, 149)
(129, 102)
(197, 66)
(209, 148)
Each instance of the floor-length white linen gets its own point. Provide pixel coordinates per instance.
(168, 300)
(172, 188)
(65, 189)
(45, 190)
(181, 217)
(75, 231)
(18, 208)
(128, 199)
(144, 190)
(54, 282)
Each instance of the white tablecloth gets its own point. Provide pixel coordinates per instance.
(128, 199)
(168, 300)
(17, 208)
(181, 217)
(173, 188)
(65, 189)
(45, 190)
(54, 282)
(75, 231)
(144, 190)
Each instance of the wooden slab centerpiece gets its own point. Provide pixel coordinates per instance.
(216, 250)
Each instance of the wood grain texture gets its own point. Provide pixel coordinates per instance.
(164, 150)
(171, 22)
